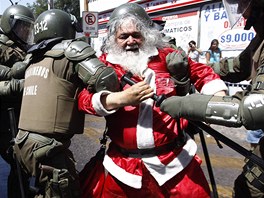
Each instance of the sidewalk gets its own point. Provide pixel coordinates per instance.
(4, 170)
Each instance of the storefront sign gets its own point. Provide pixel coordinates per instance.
(215, 25)
(183, 27)
(105, 7)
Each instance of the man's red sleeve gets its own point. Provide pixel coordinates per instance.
(85, 102)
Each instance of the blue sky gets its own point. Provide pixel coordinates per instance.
(6, 3)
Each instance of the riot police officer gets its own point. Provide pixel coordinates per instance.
(16, 34)
(61, 66)
(244, 108)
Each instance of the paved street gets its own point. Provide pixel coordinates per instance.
(4, 168)
(226, 162)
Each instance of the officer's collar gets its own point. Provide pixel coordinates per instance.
(45, 44)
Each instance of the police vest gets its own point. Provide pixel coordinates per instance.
(49, 103)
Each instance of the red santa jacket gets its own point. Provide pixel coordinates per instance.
(145, 126)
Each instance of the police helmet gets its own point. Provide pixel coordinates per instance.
(134, 9)
(18, 22)
(54, 23)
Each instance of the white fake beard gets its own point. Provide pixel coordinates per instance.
(135, 62)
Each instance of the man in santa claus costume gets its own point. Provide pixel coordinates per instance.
(149, 155)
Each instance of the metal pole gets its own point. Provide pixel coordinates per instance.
(50, 4)
(233, 145)
(86, 8)
(208, 164)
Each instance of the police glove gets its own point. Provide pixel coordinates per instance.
(12, 87)
(4, 73)
(18, 70)
(178, 66)
(191, 107)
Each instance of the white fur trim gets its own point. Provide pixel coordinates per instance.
(97, 105)
(162, 173)
(145, 137)
(150, 76)
(213, 86)
(129, 179)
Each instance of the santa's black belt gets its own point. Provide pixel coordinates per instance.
(158, 150)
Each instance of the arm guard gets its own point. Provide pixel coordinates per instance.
(252, 111)
(221, 110)
(205, 108)
(90, 70)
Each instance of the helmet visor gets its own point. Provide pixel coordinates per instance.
(23, 29)
(235, 9)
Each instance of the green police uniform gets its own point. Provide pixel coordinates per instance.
(60, 68)
(13, 45)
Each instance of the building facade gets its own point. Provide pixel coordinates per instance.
(185, 20)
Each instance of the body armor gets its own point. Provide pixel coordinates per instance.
(40, 79)
(61, 116)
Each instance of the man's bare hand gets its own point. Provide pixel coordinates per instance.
(129, 97)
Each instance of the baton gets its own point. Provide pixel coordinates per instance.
(208, 163)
